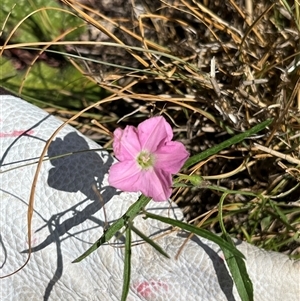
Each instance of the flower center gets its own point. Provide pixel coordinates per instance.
(145, 160)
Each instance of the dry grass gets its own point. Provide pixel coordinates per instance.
(213, 69)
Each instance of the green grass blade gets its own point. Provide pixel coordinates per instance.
(231, 141)
(281, 216)
(132, 212)
(149, 241)
(201, 232)
(127, 265)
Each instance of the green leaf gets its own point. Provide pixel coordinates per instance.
(239, 273)
(131, 213)
(236, 264)
(227, 143)
(46, 24)
(281, 216)
(127, 264)
(201, 232)
(65, 86)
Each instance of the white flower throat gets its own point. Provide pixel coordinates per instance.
(145, 159)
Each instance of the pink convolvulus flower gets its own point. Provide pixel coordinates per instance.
(147, 158)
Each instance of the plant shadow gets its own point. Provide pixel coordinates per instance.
(75, 168)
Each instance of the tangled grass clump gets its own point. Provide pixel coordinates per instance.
(214, 69)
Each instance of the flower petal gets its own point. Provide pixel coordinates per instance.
(126, 143)
(171, 157)
(156, 184)
(125, 176)
(153, 183)
(154, 132)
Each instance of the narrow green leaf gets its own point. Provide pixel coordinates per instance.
(239, 273)
(231, 141)
(281, 216)
(132, 212)
(127, 264)
(201, 232)
(149, 241)
(236, 264)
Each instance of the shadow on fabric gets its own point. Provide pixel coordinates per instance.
(75, 168)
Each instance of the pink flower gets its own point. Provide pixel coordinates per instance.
(148, 158)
